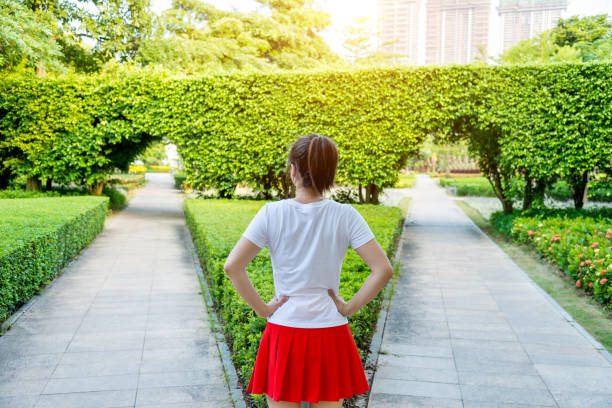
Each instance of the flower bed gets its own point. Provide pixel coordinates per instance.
(578, 242)
(38, 236)
(216, 226)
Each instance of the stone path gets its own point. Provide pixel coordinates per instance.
(467, 328)
(124, 326)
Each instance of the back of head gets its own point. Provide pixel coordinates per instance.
(316, 159)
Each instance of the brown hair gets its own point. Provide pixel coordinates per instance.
(316, 159)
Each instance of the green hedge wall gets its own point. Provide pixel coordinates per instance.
(38, 236)
(539, 122)
(216, 226)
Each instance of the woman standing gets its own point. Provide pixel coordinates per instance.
(307, 351)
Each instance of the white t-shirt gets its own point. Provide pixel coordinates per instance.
(307, 244)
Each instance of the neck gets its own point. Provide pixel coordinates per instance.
(307, 195)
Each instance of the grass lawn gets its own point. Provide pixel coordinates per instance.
(469, 186)
(405, 181)
(584, 309)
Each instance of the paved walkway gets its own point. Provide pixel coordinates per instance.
(466, 327)
(124, 326)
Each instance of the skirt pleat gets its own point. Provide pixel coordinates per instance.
(307, 364)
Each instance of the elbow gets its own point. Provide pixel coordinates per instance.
(388, 273)
(227, 268)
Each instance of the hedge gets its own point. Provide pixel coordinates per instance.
(216, 226)
(539, 123)
(38, 236)
(469, 186)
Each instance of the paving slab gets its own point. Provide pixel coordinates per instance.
(125, 325)
(467, 328)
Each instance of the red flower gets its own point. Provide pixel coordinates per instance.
(581, 263)
(530, 233)
(578, 283)
(588, 262)
(580, 256)
(603, 281)
(590, 285)
(594, 244)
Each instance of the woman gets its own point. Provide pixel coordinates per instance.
(307, 351)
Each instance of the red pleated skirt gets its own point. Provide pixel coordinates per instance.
(307, 364)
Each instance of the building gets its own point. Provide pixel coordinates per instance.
(524, 19)
(459, 31)
(398, 27)
(456, 29)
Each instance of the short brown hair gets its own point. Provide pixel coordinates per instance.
(316, 159)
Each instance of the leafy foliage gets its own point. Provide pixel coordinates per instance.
(575, 39)
(537, 124)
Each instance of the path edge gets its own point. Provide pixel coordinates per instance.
(376, 342)
(231, 378)
(594, 342)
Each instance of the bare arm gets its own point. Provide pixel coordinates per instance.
(382, 271)
(235, 268)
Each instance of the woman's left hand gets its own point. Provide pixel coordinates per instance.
(341, 305)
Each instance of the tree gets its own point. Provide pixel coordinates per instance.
(119, 28)
(573, 40)
(196, 37)
(26, 39)
(358, 41)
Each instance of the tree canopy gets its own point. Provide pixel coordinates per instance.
(575, 39)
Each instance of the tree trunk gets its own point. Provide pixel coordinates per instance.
(579, 189)
(360, 194)
(96, 188)
(33, 184)
(367, 193)
(495, 181)
(48, 184)
(374, 190)
(528, 193)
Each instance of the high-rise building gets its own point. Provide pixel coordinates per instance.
(524, 19)
(398, 25)
(456, 29)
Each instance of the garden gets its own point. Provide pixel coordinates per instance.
(528, 128)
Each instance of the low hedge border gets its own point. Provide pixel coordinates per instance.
(217, 224)
(579, 242)
(38, 236)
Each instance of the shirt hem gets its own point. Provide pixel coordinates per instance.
(308, 326)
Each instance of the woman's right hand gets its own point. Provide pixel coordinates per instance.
(272, 305)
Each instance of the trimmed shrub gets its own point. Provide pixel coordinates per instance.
(600, 190)
(118, 200)
(560, 191)
(38, 236)
(179, 180)
(216, 226)
(469, 186)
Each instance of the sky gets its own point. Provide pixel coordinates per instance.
(344, 12)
